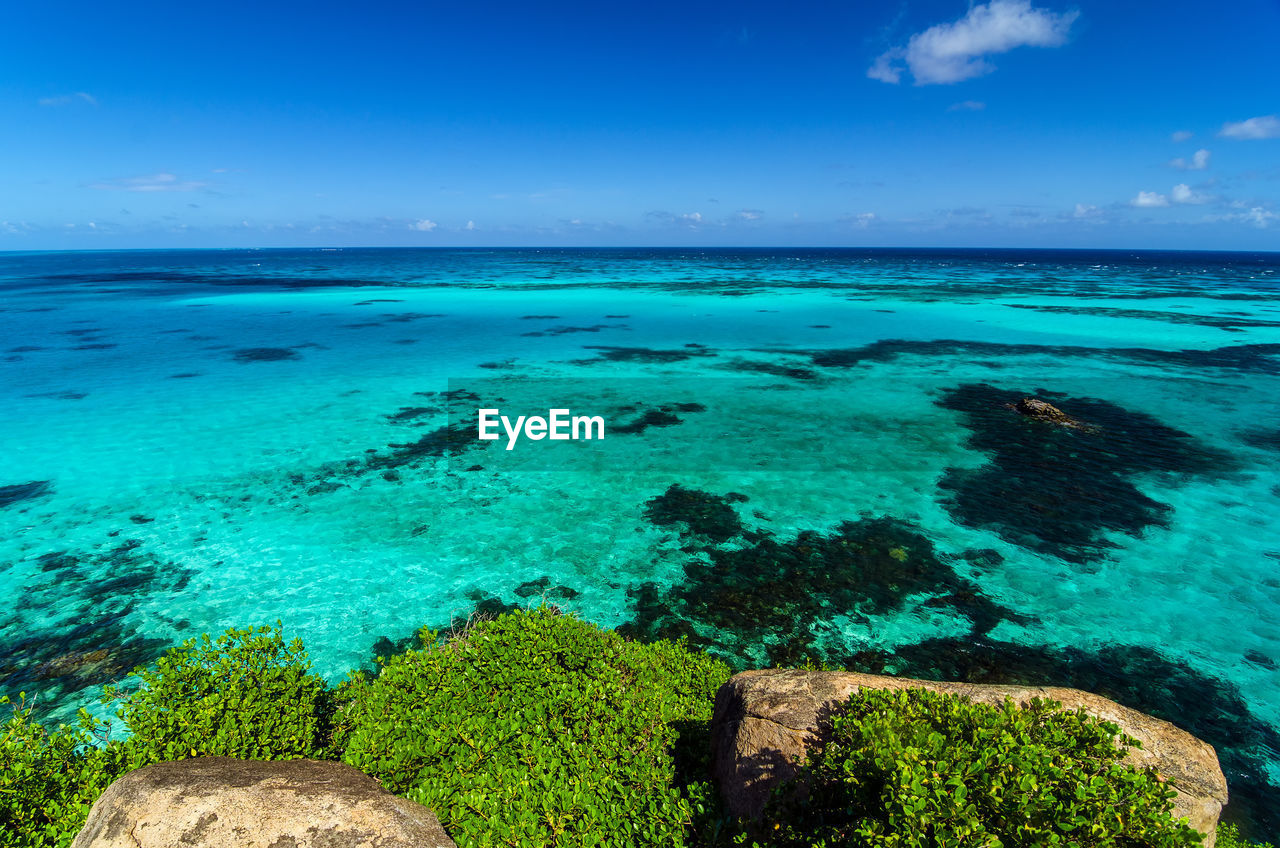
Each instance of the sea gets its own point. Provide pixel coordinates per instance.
(808, 456)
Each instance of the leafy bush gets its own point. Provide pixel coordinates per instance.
(914, 768)
(48, 781)
(1229, 837)
(248, 694)
(536, 729)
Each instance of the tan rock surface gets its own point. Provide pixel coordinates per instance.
(764, 720)
(217, 802)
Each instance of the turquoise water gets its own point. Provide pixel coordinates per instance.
(809, 456)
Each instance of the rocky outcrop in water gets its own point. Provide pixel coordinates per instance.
(216, 802)
(1042, 410)
(765, 720)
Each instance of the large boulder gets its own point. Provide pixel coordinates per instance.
(216, 802)
(765, 720)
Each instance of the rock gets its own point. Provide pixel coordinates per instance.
(217, 802)
(79, 664)
(1042, 410)
(764, 721)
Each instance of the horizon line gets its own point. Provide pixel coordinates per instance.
(723, 247)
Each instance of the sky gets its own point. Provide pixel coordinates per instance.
(1008, 123)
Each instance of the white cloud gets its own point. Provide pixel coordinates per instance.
(423, 225)
(471, 225)
(884, 67)
(1085, 210)
(152, 182)
(750, 215)
(949, 53)
(1182, 135)
(967, 106)
(688, 219)
(1259, 217)
(1149, 200)
(863, 220)
(1266, 126)
(1199, 161)
(1182, 193)
(65, 99)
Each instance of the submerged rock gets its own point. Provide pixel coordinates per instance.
(766, 720)
(217, 802)
(1042, 410)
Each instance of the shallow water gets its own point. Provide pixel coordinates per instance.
(199, 440)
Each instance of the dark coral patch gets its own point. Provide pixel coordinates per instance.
(448, 440)
(1255, 358)
(1059, 490)
(661, 416)
(19, 492)
(703, 513)
(772, 368)
(1230, 323)
(544, 588)
(644, 354)
(59, 395)
(564, 331)
(650, 418)
(412, 413)
(772, 601)
(264, 354)
(1266, 439)
(83, 636)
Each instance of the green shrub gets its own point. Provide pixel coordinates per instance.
(248, 694)
(914, 768)
(48, 781)
(1229, 837)
(536, 729)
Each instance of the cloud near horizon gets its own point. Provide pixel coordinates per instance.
(152, 182)
(1264, 126)
(950, 53)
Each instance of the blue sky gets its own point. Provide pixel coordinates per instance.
(1005, 123)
